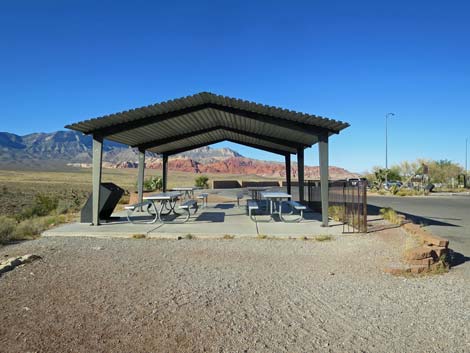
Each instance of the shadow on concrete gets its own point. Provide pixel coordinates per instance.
(224, 206)
(457, 259)
(215, 217)
(373, 210)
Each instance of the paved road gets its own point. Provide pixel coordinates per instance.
(448, 216)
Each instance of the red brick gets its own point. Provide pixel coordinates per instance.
(422, 262)
(419, 253)
(432, 239)
(418, 269)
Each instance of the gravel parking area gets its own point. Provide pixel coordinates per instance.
(240, 295)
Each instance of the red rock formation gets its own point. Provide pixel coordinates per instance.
(236, 165)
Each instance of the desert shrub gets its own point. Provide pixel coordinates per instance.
(202, 181)
(7, 227)
(153, 183)
(336, 213)
(409, 192)
(64, 206)
(394, 189)
(390, 215)
(29, 229)
(42, 206)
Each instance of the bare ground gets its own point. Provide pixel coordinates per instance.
(104, 295)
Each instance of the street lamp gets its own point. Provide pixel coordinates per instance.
(387, 116)
(466, 162)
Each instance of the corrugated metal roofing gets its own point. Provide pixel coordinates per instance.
(208, 118)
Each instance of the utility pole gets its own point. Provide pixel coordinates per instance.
(387, 116)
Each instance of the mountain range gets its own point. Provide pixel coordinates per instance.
(74, 149)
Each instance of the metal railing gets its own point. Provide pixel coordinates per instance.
(347, 203)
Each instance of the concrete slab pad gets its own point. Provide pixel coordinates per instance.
(214, 221)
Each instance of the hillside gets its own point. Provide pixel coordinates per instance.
(74, 149)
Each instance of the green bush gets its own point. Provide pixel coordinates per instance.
(202, 181)
(394, 189)
(153, 183)
(7, 227)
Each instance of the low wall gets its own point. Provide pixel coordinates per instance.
(246, 184)
(225, 184)
(235, 184)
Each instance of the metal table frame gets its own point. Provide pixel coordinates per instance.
(257, 190)
(275, 201)
(167, 202)
(187, 191)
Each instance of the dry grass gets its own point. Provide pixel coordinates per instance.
(18, 188)
(390, 215)
(138, 236)
(324, 238)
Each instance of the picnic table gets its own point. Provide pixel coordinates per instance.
(167, 201)
(274, 200)
(256, 190)
(187, 191)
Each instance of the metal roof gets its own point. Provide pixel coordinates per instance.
(202, 119)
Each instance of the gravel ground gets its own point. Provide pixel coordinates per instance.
(127, 295)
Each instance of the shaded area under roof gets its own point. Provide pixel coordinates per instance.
(205, 118)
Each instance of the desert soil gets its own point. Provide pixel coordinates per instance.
(118, 295)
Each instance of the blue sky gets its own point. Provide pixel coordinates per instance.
(64, 61)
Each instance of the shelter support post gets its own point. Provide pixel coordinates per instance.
(300, 173)
(165, 172)
(140, 176)
(324, 178)
(96, 177)
(288, 174)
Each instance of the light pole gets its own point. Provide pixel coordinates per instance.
(387, 116)
(466, 162)
(466, 155)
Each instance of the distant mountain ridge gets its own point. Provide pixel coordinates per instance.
(74, 149)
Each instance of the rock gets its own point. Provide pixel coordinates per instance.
(432, 239)
(97, 248)
(29, 258)
(5, 268)
(418, 253)
(427, 262)
(13, 262)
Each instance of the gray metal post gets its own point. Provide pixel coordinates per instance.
(140, 176)
(165, 172)
(388, 115)
(288, 174)
(97, 168)
(300, 173)
(324, 178)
